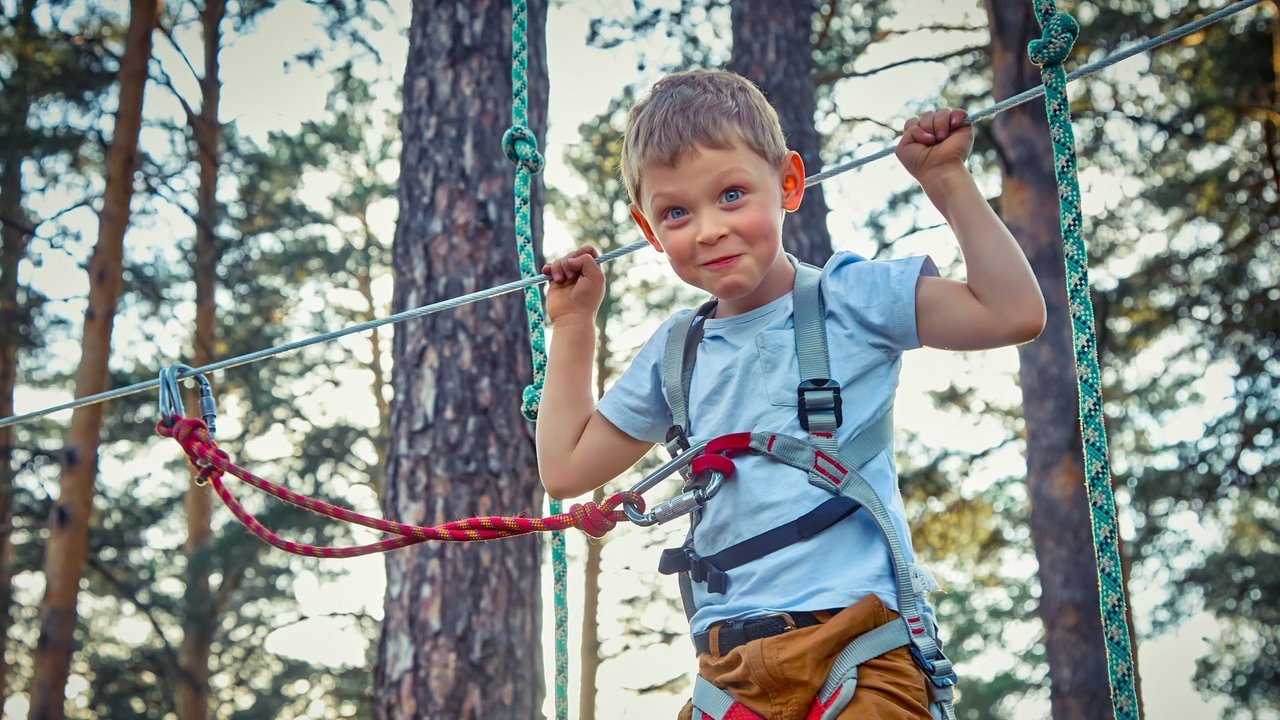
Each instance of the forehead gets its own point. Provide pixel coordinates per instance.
(702, 168)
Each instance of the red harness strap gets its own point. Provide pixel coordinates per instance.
(212, 463)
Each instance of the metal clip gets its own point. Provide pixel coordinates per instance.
(171, 396)
(682, 504)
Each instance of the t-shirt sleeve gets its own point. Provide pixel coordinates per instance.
(636, 403)
(877, 298)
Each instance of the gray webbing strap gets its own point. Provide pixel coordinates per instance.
(709, 699)
(818, 393)
(870, 644)
(873, 440)
(677, 368)
(922, 637)
(811, 335)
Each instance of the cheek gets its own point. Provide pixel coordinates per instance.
(760, 222)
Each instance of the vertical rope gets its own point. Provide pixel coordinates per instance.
(521, 147)
(1049, 52)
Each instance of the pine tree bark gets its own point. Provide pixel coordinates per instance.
(772, 47)
(460, 638)
(69, 525)
(199, 616)
(1059, 518)
(15, 103)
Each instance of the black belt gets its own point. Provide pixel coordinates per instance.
(740, 632)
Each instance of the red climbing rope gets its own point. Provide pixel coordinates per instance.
(212, 463)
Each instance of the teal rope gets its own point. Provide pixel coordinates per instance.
(521, 147)
(1049, 52)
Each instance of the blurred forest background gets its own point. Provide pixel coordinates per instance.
(201, 179)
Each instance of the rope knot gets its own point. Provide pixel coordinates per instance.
(1056, 40)
(530, 399)
(593, 519)
(521, 147)
(194, 437)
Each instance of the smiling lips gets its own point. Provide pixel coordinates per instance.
(720, 262)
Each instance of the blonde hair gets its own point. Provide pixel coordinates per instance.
(698, 108)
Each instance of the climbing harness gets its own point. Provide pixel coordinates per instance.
(831, 467)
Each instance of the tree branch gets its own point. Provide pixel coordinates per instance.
(844, 74)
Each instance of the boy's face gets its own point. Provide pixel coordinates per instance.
(717, 215)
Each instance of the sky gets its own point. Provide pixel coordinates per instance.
(265, 91)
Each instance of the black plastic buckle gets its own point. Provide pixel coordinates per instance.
(676, 434)
(806, 407)
(947, 680)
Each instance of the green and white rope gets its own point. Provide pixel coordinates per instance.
(1049, 52)
(521, 147)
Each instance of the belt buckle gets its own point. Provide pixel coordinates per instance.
(789, 621)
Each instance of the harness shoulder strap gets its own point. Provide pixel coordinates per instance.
(677, 373)
(818, 395)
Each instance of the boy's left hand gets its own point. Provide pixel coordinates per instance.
(935, 143)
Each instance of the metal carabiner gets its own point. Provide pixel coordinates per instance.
(682, 504)
(171, 396)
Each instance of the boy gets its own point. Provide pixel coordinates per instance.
(710, 181)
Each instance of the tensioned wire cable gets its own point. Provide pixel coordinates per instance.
(983, 114)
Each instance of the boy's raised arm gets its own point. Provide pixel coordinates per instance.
(1000, 302)
(578, 449)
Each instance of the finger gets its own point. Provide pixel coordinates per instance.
(910, 123)
(926, 121)
(584, 265)
(958, 117)
(922, 136)
(942, 123)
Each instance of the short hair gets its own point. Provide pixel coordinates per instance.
(698, 108)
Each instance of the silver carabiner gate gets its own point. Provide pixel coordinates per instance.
(171, 396)
(680, 505)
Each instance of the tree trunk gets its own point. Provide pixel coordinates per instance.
(461, 634)
(16, 104)
(200, 618)
(589, 656)
(773, 49)
(69, 525)
(1060, 524)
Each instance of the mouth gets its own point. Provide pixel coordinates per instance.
(721, 262)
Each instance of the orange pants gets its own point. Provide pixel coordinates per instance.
(778, 677)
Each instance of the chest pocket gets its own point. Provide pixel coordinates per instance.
(780, 368)
(776, 358)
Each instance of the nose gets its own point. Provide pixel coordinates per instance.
(711, 229)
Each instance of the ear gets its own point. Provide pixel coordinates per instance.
(792, 181)
(644, 226)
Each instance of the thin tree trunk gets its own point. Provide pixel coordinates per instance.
(199, 617)
(16, 104)
(460, 639)
(364, 278)
(589, 656)
(772, 48)
(69, 525)
(1059, 518)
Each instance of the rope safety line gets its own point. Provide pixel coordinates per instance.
(212, 463)
(982, 114)
(1059, 32)
(521, 148)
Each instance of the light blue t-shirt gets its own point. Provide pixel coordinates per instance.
(745, 380)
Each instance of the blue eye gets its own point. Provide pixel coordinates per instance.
(675, 213)
(731, 195)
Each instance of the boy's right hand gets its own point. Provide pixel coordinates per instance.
(576, 287)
